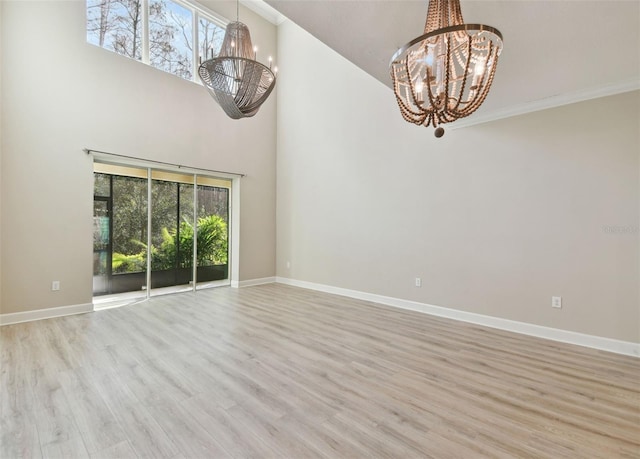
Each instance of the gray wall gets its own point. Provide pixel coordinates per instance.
(496, 219)
(60, 95)
(1, 142)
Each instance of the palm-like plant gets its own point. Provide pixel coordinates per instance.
(212, 248)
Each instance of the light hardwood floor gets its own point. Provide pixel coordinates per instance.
(281, 372)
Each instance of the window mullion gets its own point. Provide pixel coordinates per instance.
(149, 229)
(195, 232)
(145, 32)
(196, 45)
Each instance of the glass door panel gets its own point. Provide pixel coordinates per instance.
(213, 234)
(129, 234)
(101, 245)
(171, 232)
(185, 243)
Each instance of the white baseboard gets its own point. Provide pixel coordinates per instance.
(565, 336)
(252, 282)
(554, 334)
(39, 314)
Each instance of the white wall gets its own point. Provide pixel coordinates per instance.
(60, 95)
(495, 218)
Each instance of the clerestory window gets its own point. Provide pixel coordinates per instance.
(173, 36)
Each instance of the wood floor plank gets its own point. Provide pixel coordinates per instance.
(19, 436)
(281, 372)
(192, 439)
(122, 450)
(97, 425)
(231, 435)
(145, 435)
(69, 448)
(274, 437)
(15, 368)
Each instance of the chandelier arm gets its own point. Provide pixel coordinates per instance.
(485, 92)
(401, 102)
(488, 78)
(465, 76)
(431, 98)
(457, 51)
(460, 56)
(409, 115)
(475, 103)
(412, 92)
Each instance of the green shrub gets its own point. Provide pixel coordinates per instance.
(134, 263)
(212, 248)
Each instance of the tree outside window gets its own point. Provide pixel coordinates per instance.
(117, 25)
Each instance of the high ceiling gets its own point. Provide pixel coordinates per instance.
(554, 51)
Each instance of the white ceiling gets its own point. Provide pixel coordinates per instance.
(554, 51)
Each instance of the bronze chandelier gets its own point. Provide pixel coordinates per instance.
(446, 73)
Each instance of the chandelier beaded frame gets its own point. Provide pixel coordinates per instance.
(236, 81)
(446, 73)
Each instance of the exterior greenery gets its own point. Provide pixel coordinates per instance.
(121, 231)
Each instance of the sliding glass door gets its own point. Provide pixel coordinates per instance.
(187, 215)
(212, 231)
(122, 230)
(101, 244)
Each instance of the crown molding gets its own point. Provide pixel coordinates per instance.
(549, 102)
(264, 10)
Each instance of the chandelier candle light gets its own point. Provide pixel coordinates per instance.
(235, 79)
(446, 73)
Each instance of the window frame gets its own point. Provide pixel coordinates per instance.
(149, 172)
(197, 12)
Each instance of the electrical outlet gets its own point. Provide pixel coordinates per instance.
(556, 302)
(55, 286)
(418, 282)
(288, 264)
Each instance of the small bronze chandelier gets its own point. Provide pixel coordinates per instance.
(235, 79)
(446, 73)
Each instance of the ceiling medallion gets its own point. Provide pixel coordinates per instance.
(446, 73)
